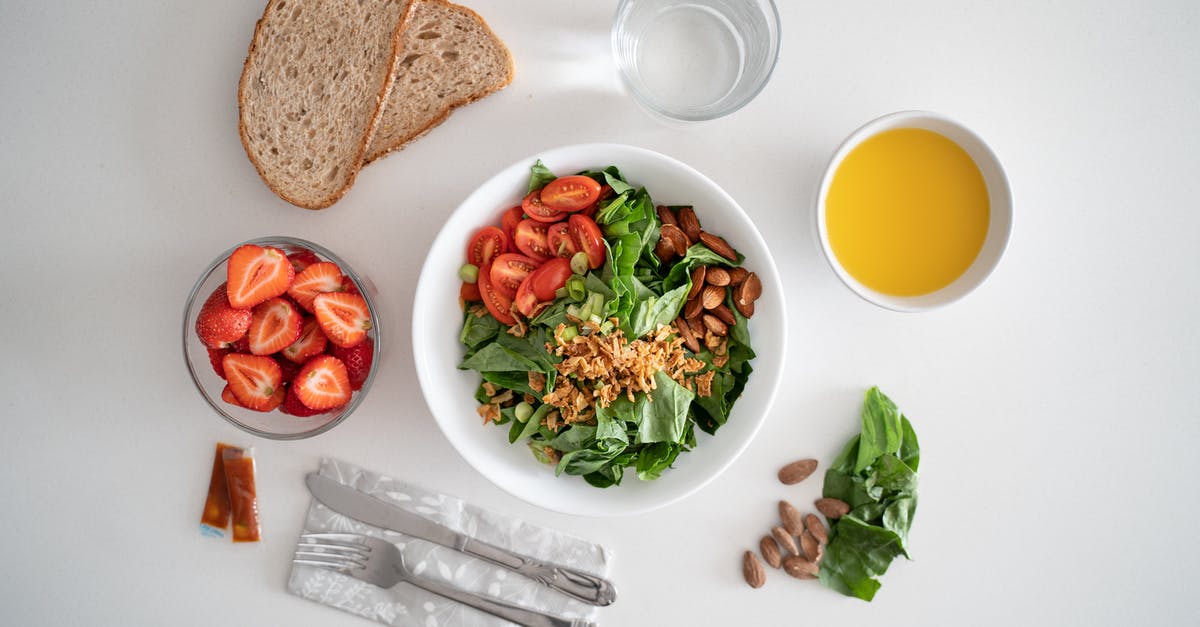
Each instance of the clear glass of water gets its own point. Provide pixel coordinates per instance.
(695, 60)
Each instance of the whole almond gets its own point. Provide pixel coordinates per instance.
(737, 276)
(791, 518)
(797, 471)
(665, 215)
(712, 296)
(677, 237)
(785, 540)
(723, 312)
(714, 324)
(746, 293)
(693, 308)
(814, 526)
(689, 336)
(718, 245)
(664, 250)
(770, 551)
(832, 508)
(810, 547)
(699, 273)
(753, 571)
(800, 568)
(719, 276)
(689, 223)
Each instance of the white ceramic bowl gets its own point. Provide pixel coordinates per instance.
(450, 392)
(999, 196)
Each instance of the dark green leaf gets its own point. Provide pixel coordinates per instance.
(910, 449)
(539, 175)
(496, 358)
(478, 329)
(666, 414)
(856, 555)
(881, 431)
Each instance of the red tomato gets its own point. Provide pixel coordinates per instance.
(530, 236)
(570, 193)
(588, 238)
(606, 192)
(533, 206)
(508, 222)
(469, 293)
(526, 301)
(549, 276)
(560, 241)
(485, 245)
(508, 270)
(497, 304)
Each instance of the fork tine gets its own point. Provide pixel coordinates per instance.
(357, 561)
(343, 539)
(336, 549)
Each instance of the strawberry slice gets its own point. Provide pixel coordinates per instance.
(257, 274)
(293, 407)
(349, 286)
(255, 380)
(312, 341)
(219, 324)
(275, 325)
(302, 259)
(345, 318)
(323, 383)
(358, 361)
(316, 279)
(228, 397)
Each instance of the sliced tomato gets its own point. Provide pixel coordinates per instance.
(508, 223)
(606, 192)
(536, 209)
(526, 301)
(508, 270)
(497, 304)
(549, 276)
(570, 193)
(588, 238)
(485, 244)
(531, 240)
(558, 236)
(469, 292)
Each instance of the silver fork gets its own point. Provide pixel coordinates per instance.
(378, 562)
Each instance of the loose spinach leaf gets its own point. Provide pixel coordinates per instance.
(666, 414)
(857, 555)
(881, 429)
(649, 312)
(697, 255)
(518, 381)
(495, 357)
(532, 347)
(654, 458)
(478, 329)
(539, 175)
(910, 449)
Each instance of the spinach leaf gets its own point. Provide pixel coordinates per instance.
(495, 357)
(856, 556)
(910, 449)
(666, 413)
(697, 255)
(881, 429)
(654, 458)
(478, 329)
(532, 348)
(649, 312)
(539, 175)
(516, 381)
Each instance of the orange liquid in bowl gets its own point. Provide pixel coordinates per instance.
(907, 212)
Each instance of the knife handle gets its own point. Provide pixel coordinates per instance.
(518, 615)
(576, 584)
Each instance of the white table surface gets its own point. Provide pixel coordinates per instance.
(1057, 406)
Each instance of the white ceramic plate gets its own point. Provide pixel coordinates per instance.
(450, 392)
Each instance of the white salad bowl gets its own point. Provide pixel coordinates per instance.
(450, 392)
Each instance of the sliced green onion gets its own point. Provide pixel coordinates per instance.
(576, 289)
(523, 411)
(561, 292)
(579, 263)
(569, 333)
(469, 273)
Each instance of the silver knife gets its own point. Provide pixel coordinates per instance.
(362, 506)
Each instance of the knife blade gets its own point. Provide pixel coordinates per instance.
(374, 511)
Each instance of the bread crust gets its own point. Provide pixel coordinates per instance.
(368, 133)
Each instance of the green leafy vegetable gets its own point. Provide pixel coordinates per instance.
(539, 176)
(876, 474)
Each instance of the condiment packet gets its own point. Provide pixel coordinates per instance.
(409, 606)
(232, 496)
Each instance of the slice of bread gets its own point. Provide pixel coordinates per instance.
(449, 57)
(312, 92)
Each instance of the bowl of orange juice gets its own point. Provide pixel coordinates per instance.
(914, 211)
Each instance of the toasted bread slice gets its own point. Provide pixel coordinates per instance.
(449, 57)
(312, 92)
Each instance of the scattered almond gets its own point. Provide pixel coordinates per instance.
(814, 526)
(785, 540)
(718, 245)
(664, 250)
(770, 551)
(746, 293)
(714, 324)
(677, 238)
(791, 518)
(810, 547)
(712, 296)
(723, 312)
(689, 336)
(753, 571)
(689, 223)
(737, 276)
(718, 276)
(665, 215)
(693, 308)
(800, 568)
(832, 508)
(699, 273)
(797, 471)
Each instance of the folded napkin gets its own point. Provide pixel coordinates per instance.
(407, 605)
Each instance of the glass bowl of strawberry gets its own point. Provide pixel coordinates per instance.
(281, 336)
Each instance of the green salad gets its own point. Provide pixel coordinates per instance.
(606, 330)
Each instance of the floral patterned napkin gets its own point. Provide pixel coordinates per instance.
(406, 605)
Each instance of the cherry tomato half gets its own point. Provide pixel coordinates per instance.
(508, 270)
(588, 238)
(508, 223)
(533, 206)
(570, 193)
(530, 236)
(549, 276)
(526, 301)
(497, 304)
(560, 240)
(469, 293)
(487, 242)
(606, 192)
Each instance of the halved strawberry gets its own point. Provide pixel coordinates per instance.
(311, 342)
(323, 383)
(358, 361)
(228, 397)
(316, 279)
(302, 259)
(255, 380)
(220, 324)
(275, 325)
(349, 286)
(345, 318)
(257, 274)
(292, 405)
